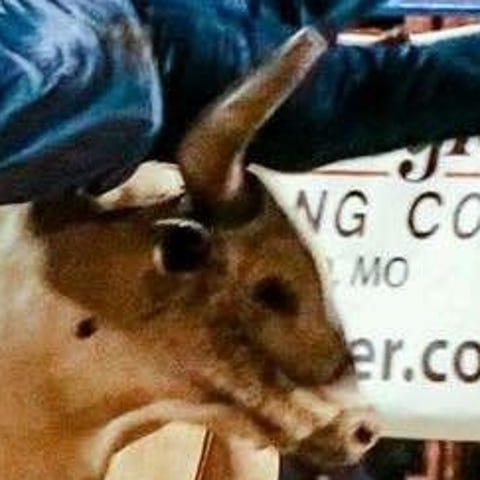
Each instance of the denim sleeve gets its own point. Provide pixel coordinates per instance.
(356, 101)
(79, 95)
(360, 101)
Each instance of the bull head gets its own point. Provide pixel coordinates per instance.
(206, 308)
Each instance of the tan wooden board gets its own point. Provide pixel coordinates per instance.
(189, 452)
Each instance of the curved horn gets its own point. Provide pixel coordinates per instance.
(211, 155)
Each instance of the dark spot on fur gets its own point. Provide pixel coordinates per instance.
(276, 295)
(86, 328)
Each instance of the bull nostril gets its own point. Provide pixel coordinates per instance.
(86, 328)
(363, 435)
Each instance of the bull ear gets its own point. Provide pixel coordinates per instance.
(211, 154)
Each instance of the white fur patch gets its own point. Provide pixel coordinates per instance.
(152, 183)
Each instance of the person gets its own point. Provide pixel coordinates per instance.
(90, 89)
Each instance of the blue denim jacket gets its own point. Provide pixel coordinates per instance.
(79, 94)
(89, 88)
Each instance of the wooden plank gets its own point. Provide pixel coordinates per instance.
(172, 453)
(189, 452)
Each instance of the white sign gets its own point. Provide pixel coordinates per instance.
(401, 232)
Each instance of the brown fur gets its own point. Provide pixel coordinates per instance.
(191, 346)
(99, 344)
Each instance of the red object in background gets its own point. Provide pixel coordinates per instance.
(419, 24)
(441, 462)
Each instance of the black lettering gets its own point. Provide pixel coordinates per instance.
(430, 373)
(365, 355)
(406, 167)
(463, 234)
(458, 362)
(391, 347)
(358, 227)
(460, 146)
(364, 276)
(412, 225)
(396, 272)
(314, 219)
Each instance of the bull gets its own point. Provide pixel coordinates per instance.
(120, 317)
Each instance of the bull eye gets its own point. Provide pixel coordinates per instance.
(183, 246)
(276, 295)
(86, 328)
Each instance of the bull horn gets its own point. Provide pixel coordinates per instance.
(211, 154)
